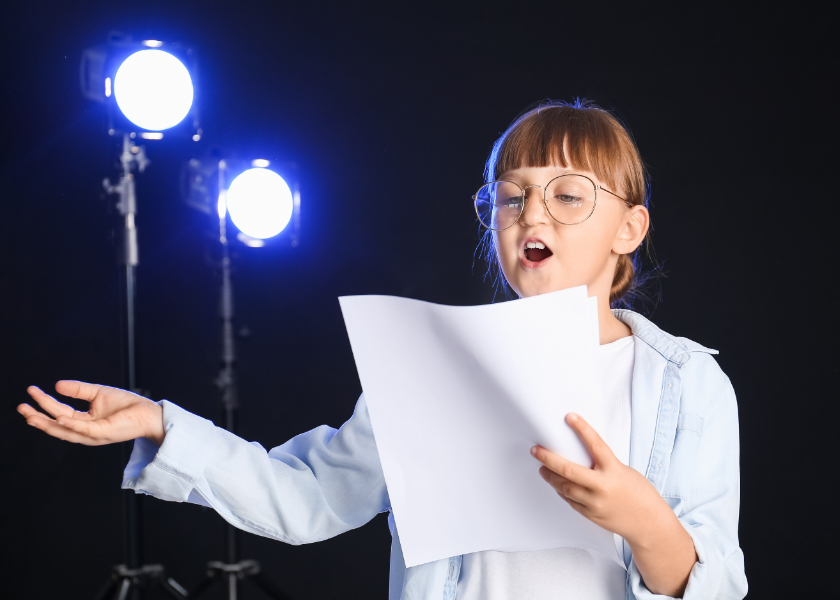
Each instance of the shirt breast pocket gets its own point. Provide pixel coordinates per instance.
(681, 471)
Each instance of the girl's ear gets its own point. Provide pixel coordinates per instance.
(633, 229)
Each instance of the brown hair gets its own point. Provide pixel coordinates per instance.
(596, 142)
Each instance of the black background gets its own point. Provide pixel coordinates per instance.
(731, 108)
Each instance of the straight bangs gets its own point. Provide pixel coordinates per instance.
(580, 136)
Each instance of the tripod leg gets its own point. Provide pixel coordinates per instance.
(125, 586)
(266, 585)
(176, 592)
(106, 591)
(208, 581)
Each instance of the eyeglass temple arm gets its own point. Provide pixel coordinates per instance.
(600, 187)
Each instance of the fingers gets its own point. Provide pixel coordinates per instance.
(581, 508)
(78, 389)
(564, 467)
(27, 411)
(568, 490)
(49, 404)
(598, 448)
(51, 427)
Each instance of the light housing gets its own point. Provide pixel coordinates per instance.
(149, 88)
(259, 198)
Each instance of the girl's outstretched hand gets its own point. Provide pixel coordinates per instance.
(115, 415)
(610, 494)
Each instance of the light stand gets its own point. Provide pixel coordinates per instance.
(232, 570)
(130, 578)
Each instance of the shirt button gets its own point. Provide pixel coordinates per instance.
(669, 385)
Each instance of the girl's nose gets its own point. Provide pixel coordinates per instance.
(534, 212)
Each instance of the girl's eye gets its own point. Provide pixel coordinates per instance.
(511, 203)
(573, 201)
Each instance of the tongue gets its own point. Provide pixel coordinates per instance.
(537, 254)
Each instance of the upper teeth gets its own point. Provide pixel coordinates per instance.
(539, 245)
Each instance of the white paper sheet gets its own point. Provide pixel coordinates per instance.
(457, 396)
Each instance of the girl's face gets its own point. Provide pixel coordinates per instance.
(583, 254)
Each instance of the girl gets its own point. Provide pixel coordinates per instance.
(565, 205)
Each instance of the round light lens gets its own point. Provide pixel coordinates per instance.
(260, 203)
(153, 89)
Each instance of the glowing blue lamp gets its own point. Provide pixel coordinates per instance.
(153, 89)
(260, 203)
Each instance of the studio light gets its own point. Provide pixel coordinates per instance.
(147, 87)
(260, 204)
(255, 198)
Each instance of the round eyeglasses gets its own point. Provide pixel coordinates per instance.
(570, 199)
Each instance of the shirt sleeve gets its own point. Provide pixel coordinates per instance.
(315, 486)
(710, 514)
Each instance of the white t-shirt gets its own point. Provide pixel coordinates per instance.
(563, 573)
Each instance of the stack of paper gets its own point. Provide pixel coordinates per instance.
(457, 397)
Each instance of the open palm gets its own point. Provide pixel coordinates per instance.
(115, 415)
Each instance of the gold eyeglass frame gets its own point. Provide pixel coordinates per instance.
(596, 186)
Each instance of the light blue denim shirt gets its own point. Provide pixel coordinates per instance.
(684, 439)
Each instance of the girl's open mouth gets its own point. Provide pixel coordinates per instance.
(536, 251)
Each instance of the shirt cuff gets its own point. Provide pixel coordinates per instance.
(171, 471)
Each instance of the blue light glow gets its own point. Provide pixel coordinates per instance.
(260, 203)
(153, 89)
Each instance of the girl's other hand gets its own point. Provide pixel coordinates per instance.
(610, 494)
(622, 500)
(115, 415)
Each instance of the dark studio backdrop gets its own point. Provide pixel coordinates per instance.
(730, 107)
